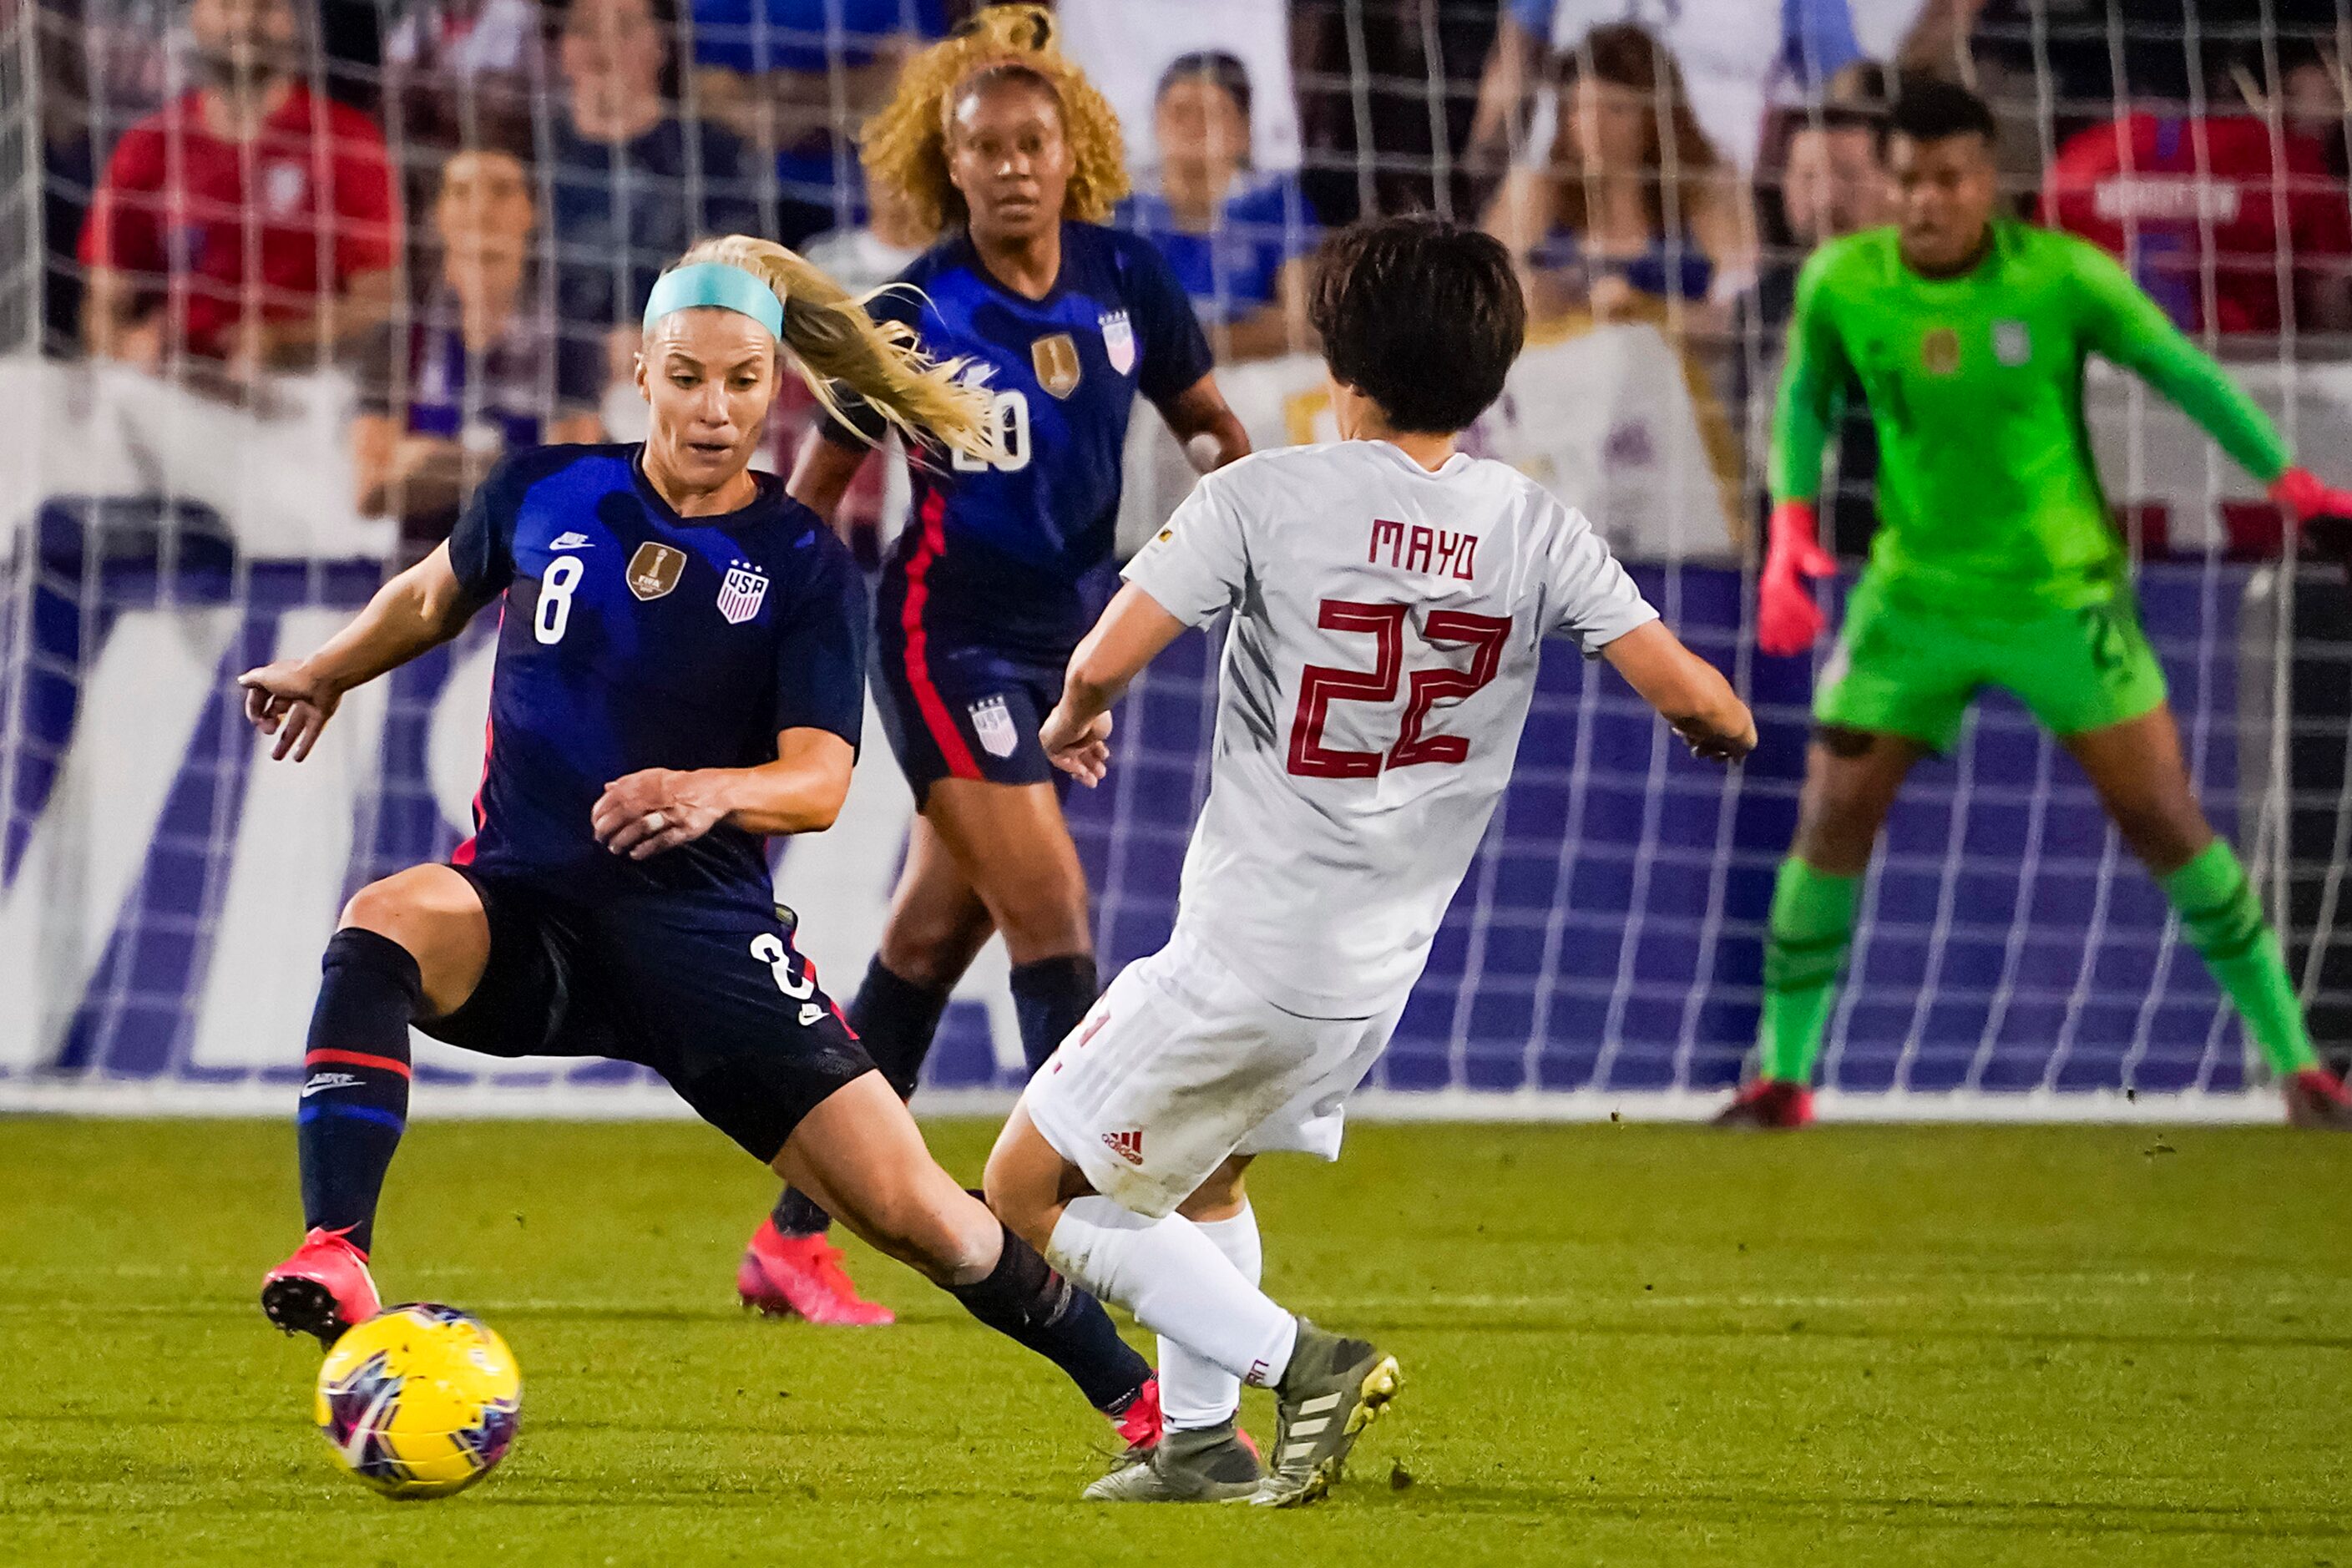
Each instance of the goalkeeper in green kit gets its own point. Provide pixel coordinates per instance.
(1995, 563)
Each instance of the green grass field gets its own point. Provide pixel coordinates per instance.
(1623, 1344)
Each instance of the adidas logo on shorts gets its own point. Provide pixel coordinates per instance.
(1127, 1145)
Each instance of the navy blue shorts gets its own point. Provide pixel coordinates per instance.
(720, 1004)
(956, 707)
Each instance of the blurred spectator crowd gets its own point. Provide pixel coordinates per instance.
(464, 202)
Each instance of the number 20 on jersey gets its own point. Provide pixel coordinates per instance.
(1008, 426)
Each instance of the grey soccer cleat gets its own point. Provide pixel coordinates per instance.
(1208, 1464)
(1332, 1390)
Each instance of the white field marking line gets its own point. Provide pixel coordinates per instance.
(1589, 1303)
(489, 1102)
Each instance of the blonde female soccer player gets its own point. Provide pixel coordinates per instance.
(680, 674)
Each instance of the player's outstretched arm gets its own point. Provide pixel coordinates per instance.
(1209, 431)
(421, 608)
(1688, 692)
(1076, 734)
(655, 809)
(2128, 328)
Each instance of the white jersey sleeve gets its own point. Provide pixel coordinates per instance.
(1590, 597)
(1195, 566)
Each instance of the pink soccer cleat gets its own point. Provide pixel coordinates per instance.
(2316, 1098)
(800, 1277)
(322, 1290)
(1138, 1423)
(1768, 1103)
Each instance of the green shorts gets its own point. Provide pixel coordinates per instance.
(1901, 667)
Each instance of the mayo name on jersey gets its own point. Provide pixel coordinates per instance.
(1387, 623)
(632, 637)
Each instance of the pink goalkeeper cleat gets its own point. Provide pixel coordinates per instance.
(322, 1290)
(800, 1277)
(2316, 1098)
(1768, 1103)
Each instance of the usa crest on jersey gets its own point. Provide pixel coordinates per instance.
(1118, 341)
(2011, 343)
(993, 725)
(741, 592)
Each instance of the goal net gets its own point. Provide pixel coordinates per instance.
(249, 366)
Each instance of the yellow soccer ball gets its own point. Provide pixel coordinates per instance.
(420, 1401)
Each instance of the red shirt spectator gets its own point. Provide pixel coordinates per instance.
(2175, 199)
(174, 211)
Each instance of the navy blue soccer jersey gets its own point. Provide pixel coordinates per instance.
(632, 638)
(1014, 550)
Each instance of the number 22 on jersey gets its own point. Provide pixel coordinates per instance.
(1321, 685)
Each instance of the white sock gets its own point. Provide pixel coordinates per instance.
(1176, 1283)
(1195, 1391)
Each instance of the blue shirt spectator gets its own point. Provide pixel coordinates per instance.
(800, 77)
(480, 370)
(631, 183)
(1235, 269)
(626, 210)
(1237, 242)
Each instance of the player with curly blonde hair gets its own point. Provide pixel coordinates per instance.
(904, 145)
(1006, 557)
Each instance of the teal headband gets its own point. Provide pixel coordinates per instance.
(716, 283)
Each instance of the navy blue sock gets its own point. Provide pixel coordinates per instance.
(355, 1088)
(1051, 998)
(1027, 1303)
(895, 1019)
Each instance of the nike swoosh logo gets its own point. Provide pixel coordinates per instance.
(571, 542)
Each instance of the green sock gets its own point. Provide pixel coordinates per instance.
(2225, 925)
(1804, 952)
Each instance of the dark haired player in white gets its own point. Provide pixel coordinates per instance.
(1391, 597)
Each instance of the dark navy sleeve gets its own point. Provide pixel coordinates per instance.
(859, 426)
(1175, 350)
(481, 547)
(821, 644)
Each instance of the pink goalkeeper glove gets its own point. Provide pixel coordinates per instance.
(1787, 618)
(2325, 515)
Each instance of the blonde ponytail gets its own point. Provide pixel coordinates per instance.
(833, 340)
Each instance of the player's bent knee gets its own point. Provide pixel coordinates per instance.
(380, 907)
(930, 952)
(1842, 742)
(946, 1235)
(1045, 921)
(1221, 1196)
(1025, 1180)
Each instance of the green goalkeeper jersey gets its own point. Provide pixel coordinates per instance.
(1987, 492)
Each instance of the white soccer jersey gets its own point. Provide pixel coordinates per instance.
(1387, 625)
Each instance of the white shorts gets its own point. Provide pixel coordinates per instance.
(1180, 1065)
